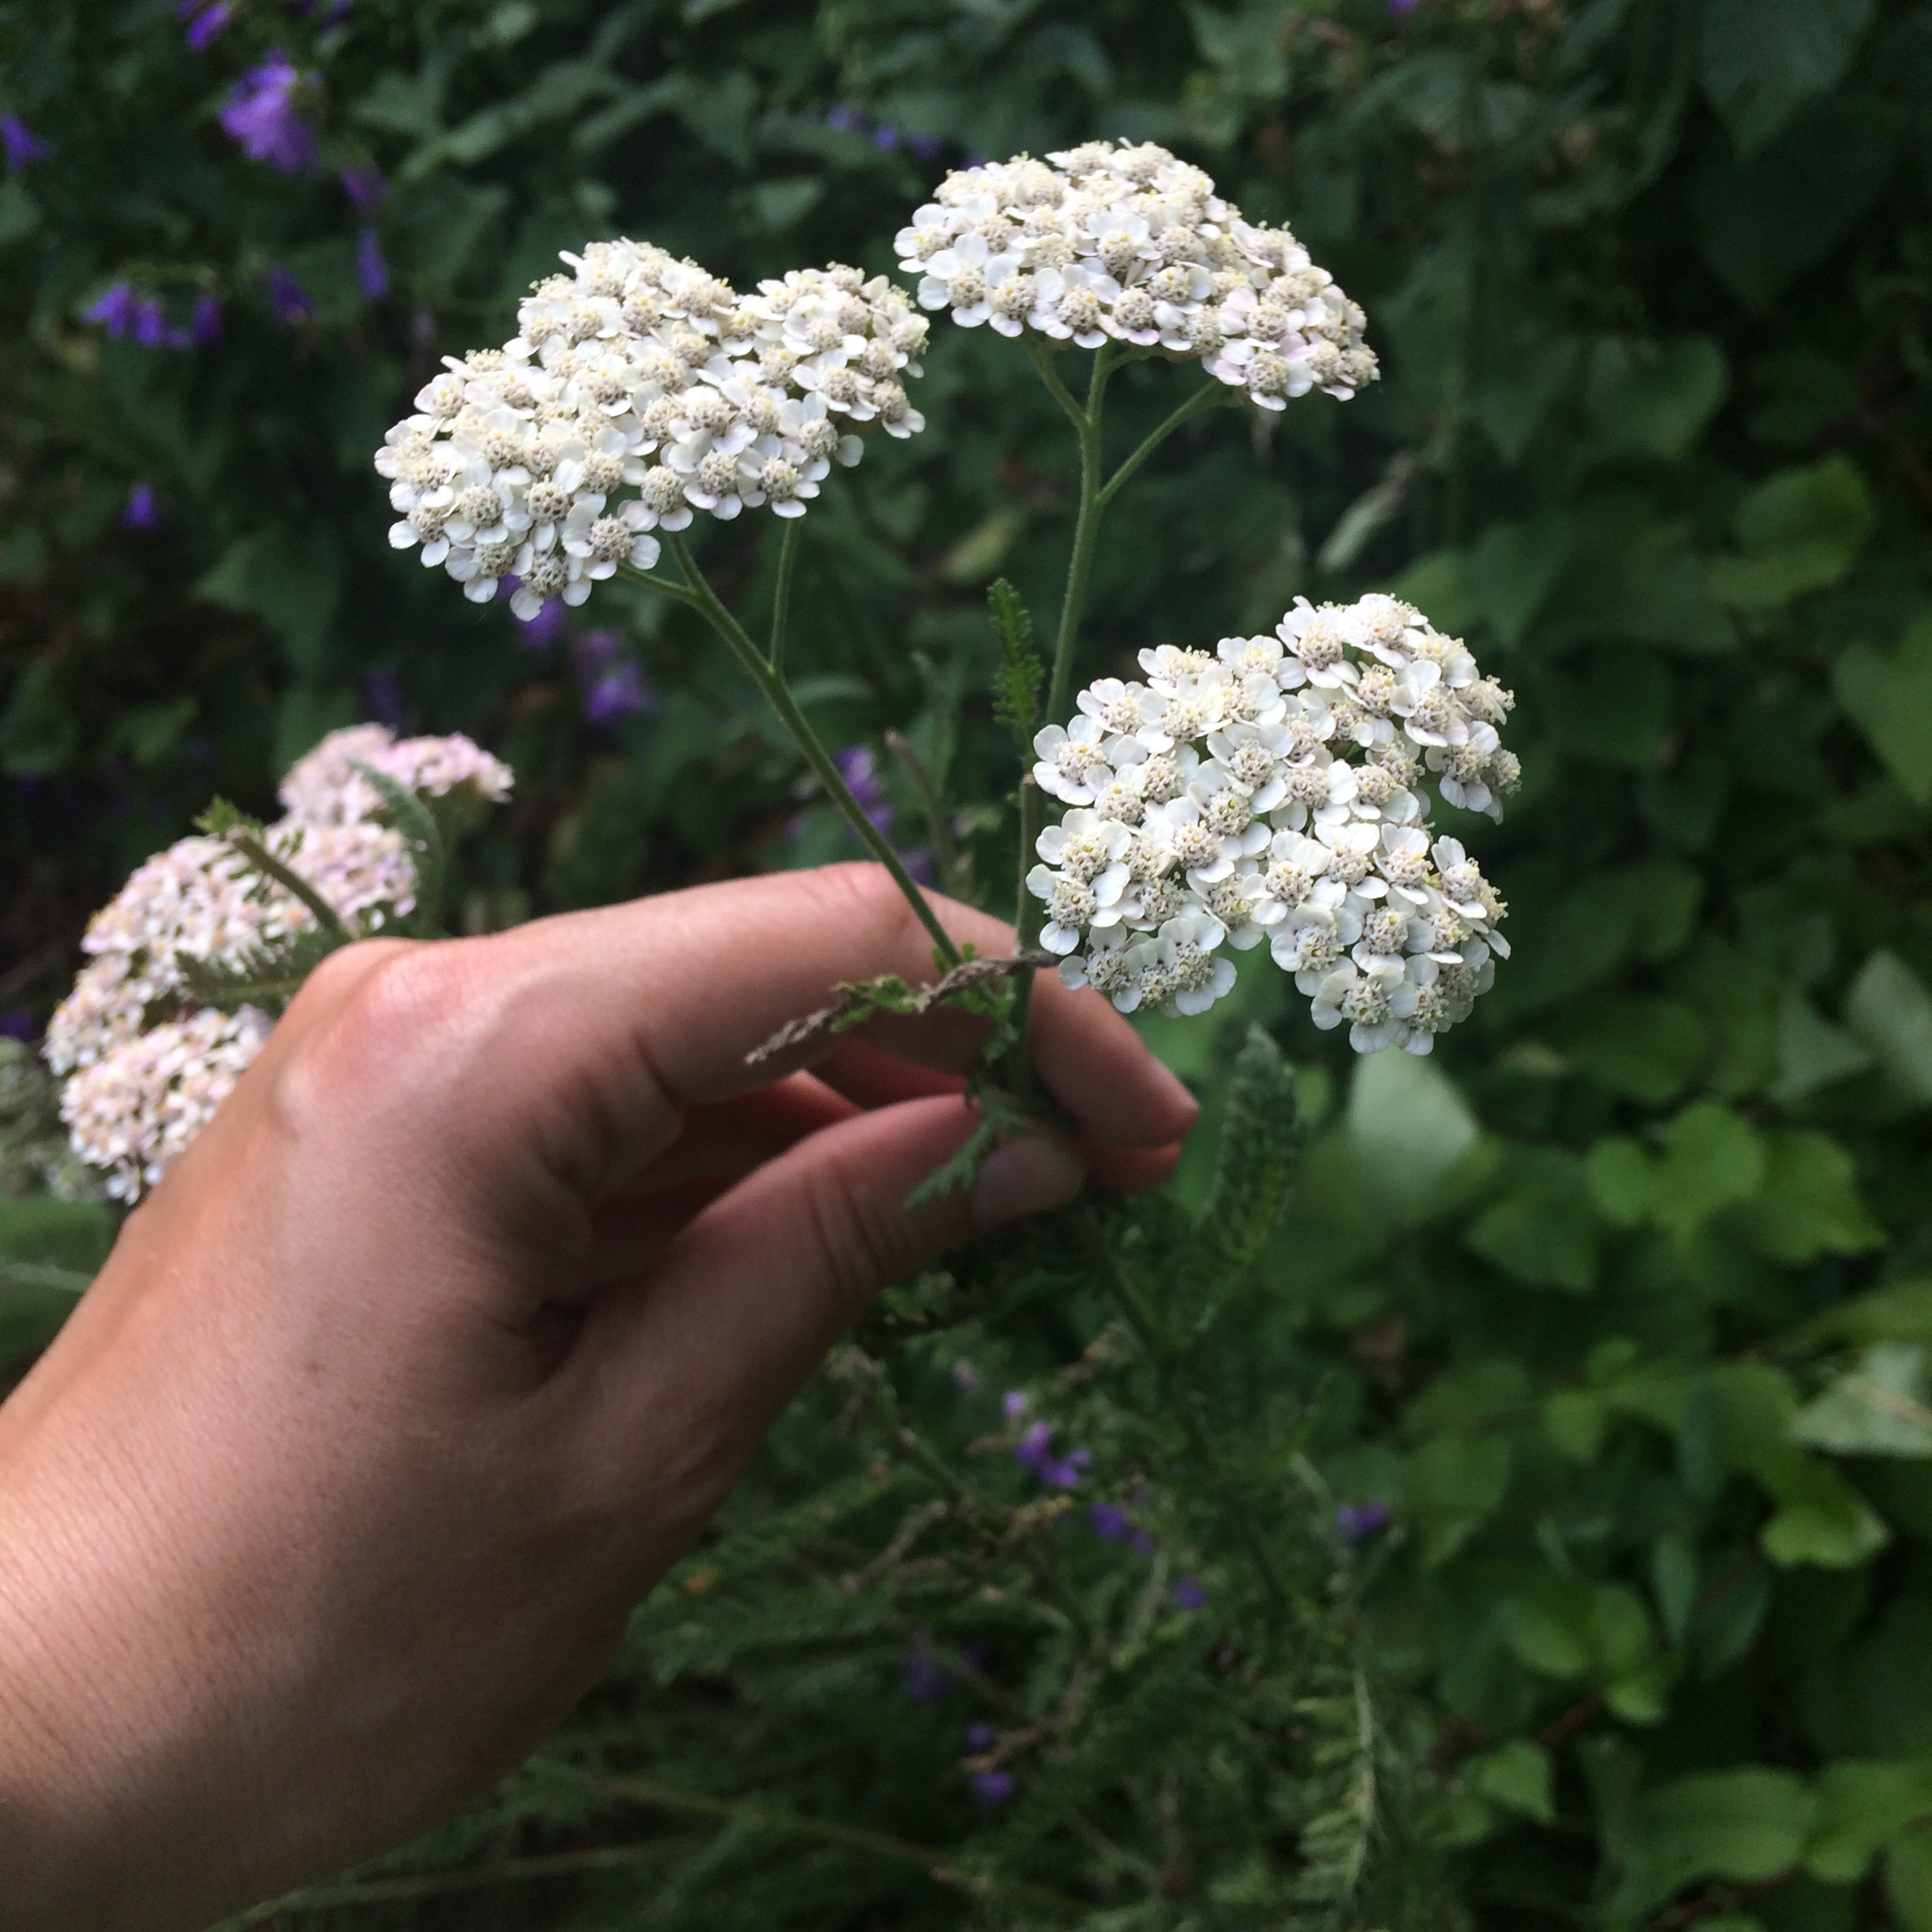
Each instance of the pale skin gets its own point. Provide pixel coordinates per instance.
(439, 1346)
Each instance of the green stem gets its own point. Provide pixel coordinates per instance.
(435, 1885)
(782, 597)
(1030, 913)
(937, 1865)
(270, 866)
(1180, 1399)
(945, 854)
(696, 591)
(1202, 399)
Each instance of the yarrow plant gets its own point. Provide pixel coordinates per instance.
(189, 963)
(1276, 791)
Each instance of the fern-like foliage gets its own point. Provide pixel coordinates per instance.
(1017, 682)
(423, 840)
(265, 977)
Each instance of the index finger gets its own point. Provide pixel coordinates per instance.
(676, 991)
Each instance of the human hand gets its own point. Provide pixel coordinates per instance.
(437, 1349)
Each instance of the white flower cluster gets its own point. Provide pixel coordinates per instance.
(1122, 241)
(1275, 791)
(640, 372)
(137, 1096)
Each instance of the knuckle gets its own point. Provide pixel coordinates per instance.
(860, 1237)
(861, 894)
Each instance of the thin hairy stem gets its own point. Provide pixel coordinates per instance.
(945, 854)
(270, 866)
(1202, 399)
(781, 596)
(696, 591)
(1029, 912)
(1126, 1298)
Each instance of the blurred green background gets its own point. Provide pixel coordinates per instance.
(1621, 1302)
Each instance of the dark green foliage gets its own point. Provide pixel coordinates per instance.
(1620, 1306)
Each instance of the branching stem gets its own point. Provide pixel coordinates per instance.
(696, 591)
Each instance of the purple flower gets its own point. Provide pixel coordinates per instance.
(372, 270)
(847, 120)
(287, 297)
(992, 1787)
(980, 1737)
(142, 510)
(1356, 1523)
(24, 147)
(1110, 1522)
(17, 1023)
(381, 692)
(926, 146)
(1187, 1592)
(1015, 1403)
(116, 309)
(205, 322)
(260, 114)
(858, 767)
(205, 28)
(1035, 1452)
(1397, 8)
(364, 187)
(925, 1677)
(620, 692)
(150, 325)
(885, 137)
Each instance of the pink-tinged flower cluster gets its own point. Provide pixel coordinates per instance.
(147, 1067)
(1276, 792)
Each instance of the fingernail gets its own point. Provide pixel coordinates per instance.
(1025, 1177)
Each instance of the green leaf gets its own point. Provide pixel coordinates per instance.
(1759, 60)
(1541, 1232)
(422, 840)
(1016, 683)
(1809, 1205)
(1889, 699)
(1811, 1052)
(1710, 1159)
(265, 977)
(43, 1231)
(1674, 1582)
(1890, 1010)
(1909, 1880)
(1519, 1776)
(1647, 1050)
(1254, 1164)
(1737, 1824)
(1651, 399)
(1801, 530)
(1876, 1409)
(1454, 1483)
(1408, 1127)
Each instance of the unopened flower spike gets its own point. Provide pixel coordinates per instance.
(638, 391)
(1276, 792)
(1121, 241)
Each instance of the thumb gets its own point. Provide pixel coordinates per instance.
(697, 1357)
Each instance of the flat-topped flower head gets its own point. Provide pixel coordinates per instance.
(638, 392)
(1275, 791)
(147, 1066)
(1122, 241)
